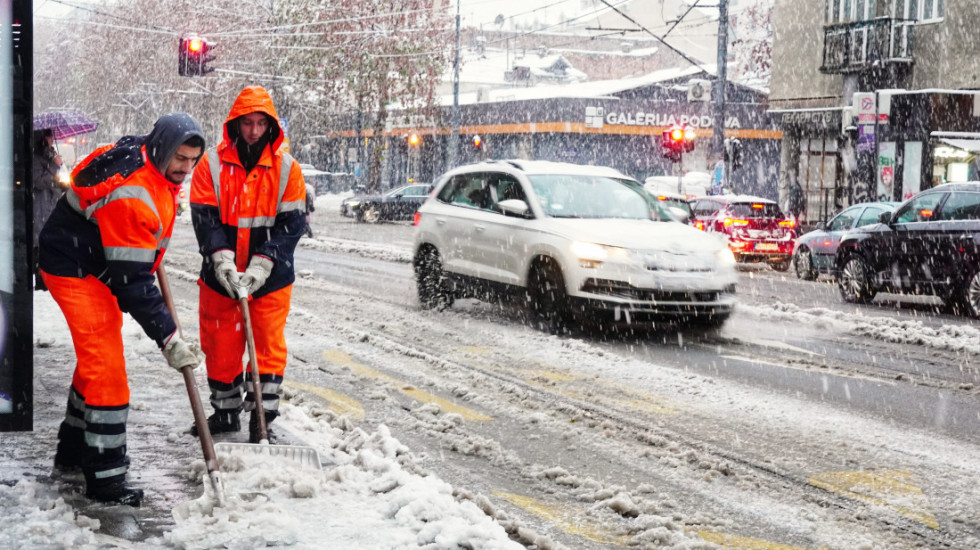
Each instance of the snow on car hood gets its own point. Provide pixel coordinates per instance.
(637, 234)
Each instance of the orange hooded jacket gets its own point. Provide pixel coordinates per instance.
(254, 212)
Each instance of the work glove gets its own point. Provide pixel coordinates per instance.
(180, 354)
(258, 270)
(226, 271)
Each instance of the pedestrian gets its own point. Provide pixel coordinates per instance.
(99, 251)
(47, 190)
(248, 208)
(796, 204)
(310, 208)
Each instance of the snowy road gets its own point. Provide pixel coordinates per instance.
(803, 423)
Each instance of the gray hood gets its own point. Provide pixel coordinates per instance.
(169, 133)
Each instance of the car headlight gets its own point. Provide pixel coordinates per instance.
(353, 203)
(726, 256)
(592, 252)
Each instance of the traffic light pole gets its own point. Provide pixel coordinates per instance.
(453, 141)
(718, 137)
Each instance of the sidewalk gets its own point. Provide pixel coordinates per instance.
(368, 495)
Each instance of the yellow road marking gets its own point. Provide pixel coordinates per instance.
(892, 488)
(336, 402)
(566, 517)
(551, 375)
(340, 358)
(733, 542)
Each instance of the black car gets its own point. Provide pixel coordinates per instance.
(397, 204)
(928, 245)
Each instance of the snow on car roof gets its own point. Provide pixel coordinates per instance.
(549, 167)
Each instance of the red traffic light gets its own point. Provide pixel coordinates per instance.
(477, 141)
(194, 45)
(193, 56)
(676, 134)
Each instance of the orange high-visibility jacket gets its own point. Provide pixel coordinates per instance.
(115, 223)
(254, 213)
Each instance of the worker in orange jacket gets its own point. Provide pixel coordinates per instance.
(248, 207)
(98, 251)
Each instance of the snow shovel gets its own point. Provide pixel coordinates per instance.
(306, 456)
(204, 433)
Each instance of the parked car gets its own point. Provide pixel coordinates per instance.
(816, 251)
(398, 204)
(348, 205)
(326, 182)
(578, 243)
(928, 245)
(755, 228)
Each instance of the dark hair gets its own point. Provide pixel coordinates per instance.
(194, 141)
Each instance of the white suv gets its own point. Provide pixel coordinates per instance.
(577, 242)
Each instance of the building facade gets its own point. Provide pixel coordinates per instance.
(614, 123)
(876, 98)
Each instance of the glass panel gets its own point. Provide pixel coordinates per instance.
(919, 209)
(927, 9)
(844, 220)
(961, 206)
(869, 216)
(848, 14)
(860, 7)
(911, 9)
(912, 169)
(940, 8)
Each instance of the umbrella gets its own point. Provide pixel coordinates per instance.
(65, 123)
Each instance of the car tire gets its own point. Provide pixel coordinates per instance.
(782, 265)
(966, 300)
(548, 297)
(434, 288)
(369, 214)
(803, 261)
(854, 282)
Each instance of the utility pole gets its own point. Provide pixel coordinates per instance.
(718, 137)
(453, 142)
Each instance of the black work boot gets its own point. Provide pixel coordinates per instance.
(116, 492)
(222, 421)
(253, 426)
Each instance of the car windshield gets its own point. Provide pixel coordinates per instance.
(578, 196)
(396, 190)
(755, 210)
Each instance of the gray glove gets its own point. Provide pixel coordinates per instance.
(180, 354)
(258, 270)
(226, 271)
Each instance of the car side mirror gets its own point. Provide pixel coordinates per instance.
(514, 207)
(679, 214)
(885, 218)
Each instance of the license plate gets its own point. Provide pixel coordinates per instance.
(766, 246)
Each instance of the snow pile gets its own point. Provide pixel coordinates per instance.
(949, 337)
(368, 499)
(388, 253)
(35, 516)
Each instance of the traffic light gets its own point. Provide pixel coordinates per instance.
(477, 142)
(676, 141)
(193, 56)
(414, 140)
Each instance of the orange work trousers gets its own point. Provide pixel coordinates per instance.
(223, 333)
(95, 322)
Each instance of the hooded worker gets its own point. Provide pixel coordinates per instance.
(248, 207)
(98, 253)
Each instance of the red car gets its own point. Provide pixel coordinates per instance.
(756, 229)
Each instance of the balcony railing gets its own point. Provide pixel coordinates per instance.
(863, 45)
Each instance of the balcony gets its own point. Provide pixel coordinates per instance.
(863, 45)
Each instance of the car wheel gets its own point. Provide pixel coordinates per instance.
(803, 260)
(549, 300)
(967, 299)
(782, 265)
(434, 288)
(370, 214)
(855, 283)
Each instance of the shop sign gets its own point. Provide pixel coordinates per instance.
(812, 119)
(641, 118)
(866, 138)
(886, 171)
(864, 104)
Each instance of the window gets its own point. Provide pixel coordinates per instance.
(504, 187)
(844, 220)
(870, 216)
(842, 11)
(466, 190)
(961, 206)
(919, 209)
(706, 207)
(920, 10)
(755, 210)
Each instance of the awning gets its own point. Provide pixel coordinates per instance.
(972, 145)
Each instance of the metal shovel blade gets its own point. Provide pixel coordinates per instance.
(304, 456)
